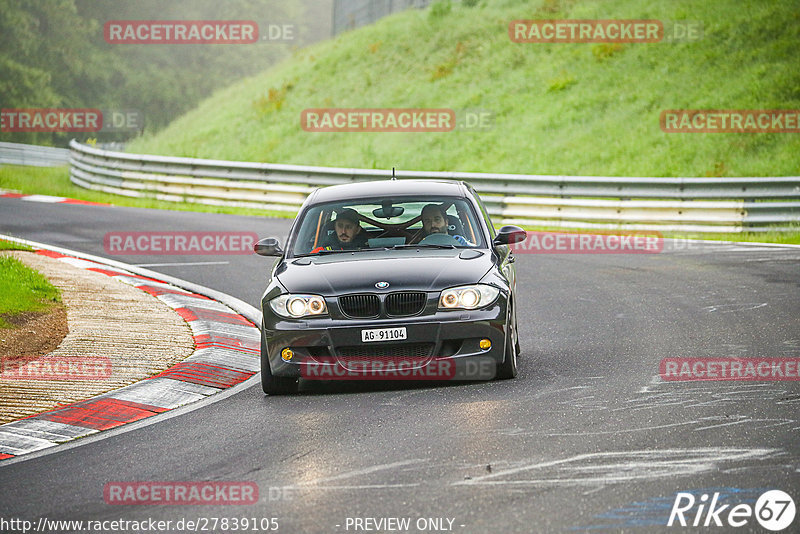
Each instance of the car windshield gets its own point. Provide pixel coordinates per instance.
(370, 224)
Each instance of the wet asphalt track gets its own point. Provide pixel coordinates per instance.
(585, 438)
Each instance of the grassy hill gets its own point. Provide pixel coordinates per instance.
(580, 109)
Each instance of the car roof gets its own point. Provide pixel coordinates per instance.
(388, 188)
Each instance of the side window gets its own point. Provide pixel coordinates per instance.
(454, 225)
(468, 226)
(309, 233)
(326, 227)
(485, 213)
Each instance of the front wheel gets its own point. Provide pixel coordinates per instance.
(508, 369)
(274, 385)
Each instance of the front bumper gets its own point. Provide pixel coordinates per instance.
(443, 336)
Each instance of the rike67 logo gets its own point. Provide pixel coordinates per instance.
(774, 510)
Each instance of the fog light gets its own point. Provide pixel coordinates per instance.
(287, 354)
(485, 344)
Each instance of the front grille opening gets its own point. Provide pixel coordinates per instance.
(409, 355)
(360, 306)
(405, 303)
(403, 350)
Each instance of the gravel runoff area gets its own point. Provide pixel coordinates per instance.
(117, 335)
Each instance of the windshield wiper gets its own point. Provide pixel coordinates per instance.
(338, 251)
(425, 245)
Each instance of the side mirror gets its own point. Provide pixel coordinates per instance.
(509, 234)
(269, 246)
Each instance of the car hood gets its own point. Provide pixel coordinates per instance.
(409, 269)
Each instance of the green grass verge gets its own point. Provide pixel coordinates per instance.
(23, 289)
(572, 109)
(10, 245)
(55, 181)
(771, 236)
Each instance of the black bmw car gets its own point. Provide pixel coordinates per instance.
(391, 279)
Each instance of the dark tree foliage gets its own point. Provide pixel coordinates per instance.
(53, 54)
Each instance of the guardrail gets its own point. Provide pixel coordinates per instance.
(663, 204)
(34, 155)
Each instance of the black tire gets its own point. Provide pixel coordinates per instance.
(517, 346)
(274, 385)
(508, 369)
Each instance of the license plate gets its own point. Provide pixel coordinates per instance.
(383, 334)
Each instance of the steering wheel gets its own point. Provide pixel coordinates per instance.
(439, 239)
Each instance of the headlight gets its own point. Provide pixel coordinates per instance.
(296, 306)
(468, 297)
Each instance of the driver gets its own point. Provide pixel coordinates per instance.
(348, 234)
(434, 221)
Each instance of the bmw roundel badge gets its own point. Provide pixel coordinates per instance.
(382, 285)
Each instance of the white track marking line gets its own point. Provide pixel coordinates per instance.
(43, 198)
(652, 459)
(365, 471)
(365, 486)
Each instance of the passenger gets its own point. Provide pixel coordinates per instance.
(434, 221)
(348, 234)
